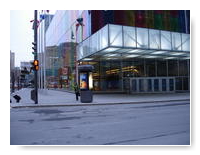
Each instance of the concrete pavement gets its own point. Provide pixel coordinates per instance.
(60, 98)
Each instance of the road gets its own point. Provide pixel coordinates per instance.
(124, 124)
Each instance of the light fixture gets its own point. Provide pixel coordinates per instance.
(185, 58)
(136, 51)
(87, 59)
(132, 56)
(150, 56)
(170, 58)
(159, 52)
(176, 53)
(110, 49)
(111, 55)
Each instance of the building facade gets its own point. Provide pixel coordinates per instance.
(134, 51)
(12, 61)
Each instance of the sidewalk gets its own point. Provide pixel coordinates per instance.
(60, 98)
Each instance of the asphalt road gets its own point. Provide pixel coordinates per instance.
(124, 124)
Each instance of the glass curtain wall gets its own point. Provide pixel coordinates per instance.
(108, 75)
(62, 37)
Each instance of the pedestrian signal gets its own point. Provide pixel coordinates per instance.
(36, 65)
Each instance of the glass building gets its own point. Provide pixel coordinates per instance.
(133, 51)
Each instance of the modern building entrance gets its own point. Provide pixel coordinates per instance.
(152, 84)
(137, 60)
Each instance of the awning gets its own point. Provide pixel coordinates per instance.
(123, 42)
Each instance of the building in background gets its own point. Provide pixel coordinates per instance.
(135, 51)
(12, 61)
(44, 21)
(61, 39)
(26, 74)
(12, 72)
(25, 65)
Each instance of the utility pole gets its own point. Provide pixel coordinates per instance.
(35, 57)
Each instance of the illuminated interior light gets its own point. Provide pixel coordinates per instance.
(185, 58)
(111, 55)
(136, 51)
(170, 58)
(177, 53)
(135, 70)
(132, 56)
(150, 56)
(90, 81)
(110, 49)
(111, 58)
(88, 59)
(159, 52)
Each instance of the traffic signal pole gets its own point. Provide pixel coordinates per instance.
(35, 57)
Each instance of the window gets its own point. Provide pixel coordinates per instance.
(138, 67)
(172, 68)
(150, 67)
(183, 68)
(161, 68)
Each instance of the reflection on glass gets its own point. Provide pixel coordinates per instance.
(185, 84)
(134, 85)
(179, 84)
(156, 85)
(150, 67)
(141, 85)
(172, 68)
(183, 68)
(110, 75)
(161, 68)
(138, 67)
(171, 84)
(164, 86)
(149, 85)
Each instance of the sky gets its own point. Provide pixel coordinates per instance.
(21, 35)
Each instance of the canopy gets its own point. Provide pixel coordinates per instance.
(123, 42)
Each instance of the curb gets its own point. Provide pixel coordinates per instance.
(96, 104)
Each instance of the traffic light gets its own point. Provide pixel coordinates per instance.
(34, 48)
(36, 65)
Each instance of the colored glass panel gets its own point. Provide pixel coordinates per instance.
(140, 18)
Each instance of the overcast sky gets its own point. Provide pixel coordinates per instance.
(21, 35)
